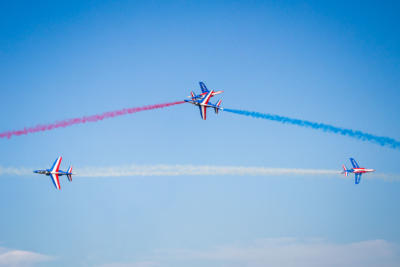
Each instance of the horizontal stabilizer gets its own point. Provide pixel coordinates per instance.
(345, 170)
(217, 106)
(69, 173)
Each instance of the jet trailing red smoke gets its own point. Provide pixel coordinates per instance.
(85, 119)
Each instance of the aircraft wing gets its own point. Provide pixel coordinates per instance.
(56, 165)
(203, 112)
(203, 87)
(354, 163)
(206, 98)
(204, 104)
(56, 180)
(357, 177)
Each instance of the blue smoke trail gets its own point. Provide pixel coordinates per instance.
(380, 140)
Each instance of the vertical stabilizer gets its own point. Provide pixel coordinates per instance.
(216, 109)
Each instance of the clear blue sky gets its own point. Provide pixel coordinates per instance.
(336, 62)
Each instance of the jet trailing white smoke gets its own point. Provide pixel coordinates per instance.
(196, 170)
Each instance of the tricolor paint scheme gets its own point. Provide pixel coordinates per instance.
(357, 170)
(54, 172)
(202, 100)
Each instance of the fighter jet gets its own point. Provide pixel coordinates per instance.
(356, 170)
(54, 172)
(202, 100)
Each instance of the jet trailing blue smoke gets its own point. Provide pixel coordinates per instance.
(380, 140)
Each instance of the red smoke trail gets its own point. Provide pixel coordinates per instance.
(93, 118)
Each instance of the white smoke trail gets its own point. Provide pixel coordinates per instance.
(192, 170)
(198, 170)
(14, 171)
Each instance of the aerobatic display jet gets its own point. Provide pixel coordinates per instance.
(54, 172)
(356, 170)
(202, 100)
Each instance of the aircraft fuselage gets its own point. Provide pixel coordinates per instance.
(361, 170)
(48, 172)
